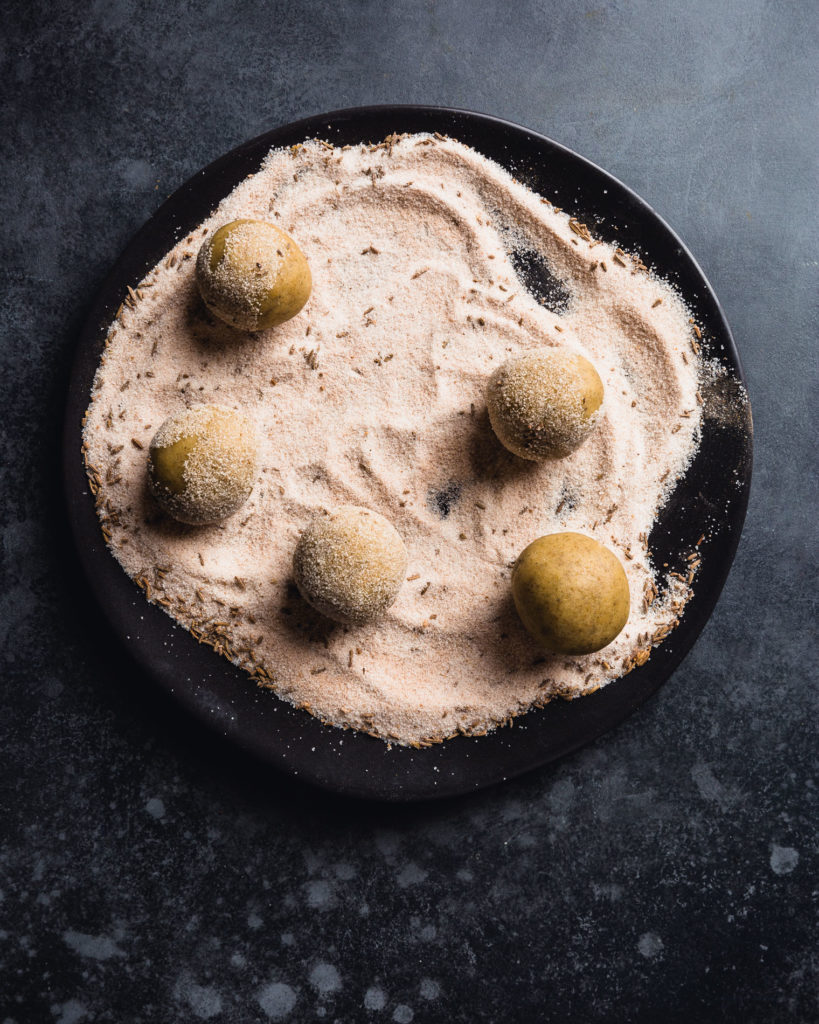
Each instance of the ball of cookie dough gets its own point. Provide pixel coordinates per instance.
(202, 464)
(252, 275)
(571, 593)
(350, 564)
(543, 406)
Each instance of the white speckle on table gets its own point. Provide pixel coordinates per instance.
(411, 874)
(276, 1000)
(402, 1014)
(95, 947)
(254, 921)
(53, 688)
(783, 859)
(375, 998)
(325, 979)
(710, 787)
(319, 894)
(610, 891)
(205, 1002)
(71, 1012)
(430, 989)
(650, 945)
(155, 807)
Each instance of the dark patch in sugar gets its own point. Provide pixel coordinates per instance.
(444, 500)
(566, 502)
(538, 278)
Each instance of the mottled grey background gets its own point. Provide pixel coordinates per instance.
(664, 874)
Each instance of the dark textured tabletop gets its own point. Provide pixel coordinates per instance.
(666, 873)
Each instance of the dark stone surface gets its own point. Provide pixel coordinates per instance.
(664, 874)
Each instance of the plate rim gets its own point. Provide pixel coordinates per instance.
(78, 396)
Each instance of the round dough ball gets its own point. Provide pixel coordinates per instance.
(202, 464)
(252, 275)
(543, 406)
(349, 565)
(571, 593)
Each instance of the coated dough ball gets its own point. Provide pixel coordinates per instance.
(252, 275)
(349, 565)
(202, 464)
(544, 406)
(571, 593)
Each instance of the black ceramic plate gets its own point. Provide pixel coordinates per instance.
(713, 493)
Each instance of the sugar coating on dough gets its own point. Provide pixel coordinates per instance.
(544, 406)
(350, 564)
(218, 471)
(240, 281)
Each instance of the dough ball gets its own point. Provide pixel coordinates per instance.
(544, 406)
(571, 593)
(252, 275)
(202, 464)
(349, 565)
